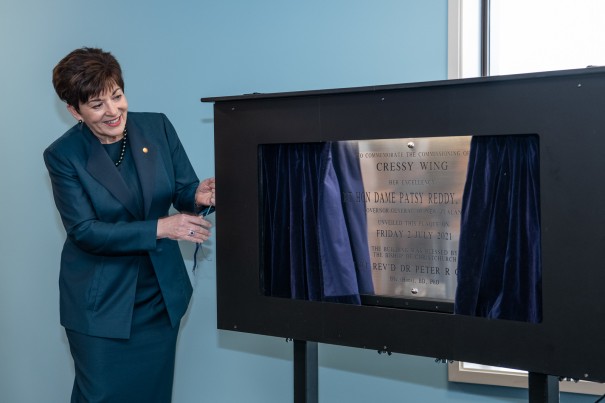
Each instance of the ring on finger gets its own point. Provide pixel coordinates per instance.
(191, 232)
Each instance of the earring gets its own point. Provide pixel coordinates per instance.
(80, 123)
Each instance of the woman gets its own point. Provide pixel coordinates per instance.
(123, 283)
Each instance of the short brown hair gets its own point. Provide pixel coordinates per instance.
(86, 73)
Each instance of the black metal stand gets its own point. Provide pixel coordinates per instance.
(543, 388)
(305, 372)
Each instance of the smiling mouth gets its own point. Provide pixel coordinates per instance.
(115, 122)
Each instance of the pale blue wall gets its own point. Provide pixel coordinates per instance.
(173, 53)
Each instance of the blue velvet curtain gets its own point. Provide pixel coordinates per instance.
(499, 260)
(314, 246)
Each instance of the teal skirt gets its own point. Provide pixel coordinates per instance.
(138, 369)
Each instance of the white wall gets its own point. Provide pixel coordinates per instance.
(173, 53)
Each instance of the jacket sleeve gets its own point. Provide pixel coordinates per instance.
(185, 179)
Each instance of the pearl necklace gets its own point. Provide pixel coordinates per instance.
(123, 150)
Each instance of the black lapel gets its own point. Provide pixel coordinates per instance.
(102, 168)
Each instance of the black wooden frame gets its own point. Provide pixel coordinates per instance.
(565, 108)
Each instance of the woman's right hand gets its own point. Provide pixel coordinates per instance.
(184, 227)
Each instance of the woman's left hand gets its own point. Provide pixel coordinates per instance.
(184, 227)
(204, 194)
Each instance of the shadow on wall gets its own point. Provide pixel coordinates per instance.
(266, 346)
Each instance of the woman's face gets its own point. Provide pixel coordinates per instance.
(105, 115)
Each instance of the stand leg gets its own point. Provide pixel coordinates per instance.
(543, 388)
(305, 372)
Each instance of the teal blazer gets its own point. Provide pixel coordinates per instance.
(107, 233)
